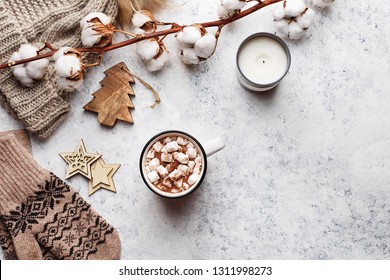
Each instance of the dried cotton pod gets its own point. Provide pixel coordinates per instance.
(143, 22)
(292, 18)
(97, 30)
(233, 4)
(223, 13)
(157, 63)
(148, 49)
(69, 69)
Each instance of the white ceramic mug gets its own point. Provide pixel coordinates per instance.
(205, 150)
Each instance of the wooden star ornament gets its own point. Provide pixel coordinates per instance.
(102, 174)
(80, 161)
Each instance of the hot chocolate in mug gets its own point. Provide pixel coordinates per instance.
(173, 163)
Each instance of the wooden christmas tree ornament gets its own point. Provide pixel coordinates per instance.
(112, 102)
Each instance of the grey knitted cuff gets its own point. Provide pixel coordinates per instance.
(40, 108)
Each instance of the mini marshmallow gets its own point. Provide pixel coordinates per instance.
(84, 24)
(67, 65)
(156, 64)
(189, 56)
(186, 186)
(233, 4)
(224, 13)
(306, 19)
(323, 3)
(184, 169)
(191, 34)
(154, 163)
(162, 171)
(153, 176)
(147, 49)
(182, 158)
(178, 183)
(157, 146)
(167, 182)
(67, 84)
(150, 154)
(165, 157)
(175, 175)
(205, 46)
(182, 141)
(278, 11)
(191, 152)
(170, 167)
(294, 8)
(193, 179)
(167, 140)
(197, 169)
(164, 150)
(174, 191)
(191, 165)
(172, 146)
(190, 145)
(198, 161)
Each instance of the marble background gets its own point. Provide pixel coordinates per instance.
(305, 174)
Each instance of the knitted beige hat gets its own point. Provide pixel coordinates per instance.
(42, 107)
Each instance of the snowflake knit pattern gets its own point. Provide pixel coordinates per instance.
(43, 107)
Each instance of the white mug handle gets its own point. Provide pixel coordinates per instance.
(213, 146)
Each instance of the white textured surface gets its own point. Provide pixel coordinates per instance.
(305, 174)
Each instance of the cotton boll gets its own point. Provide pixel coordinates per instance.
(67, 66)
(179, 37)
(84, 23)
(189, 56)
(295, 32)
(156, 64)
(90, 37)
(294, 8)
(15, 57)
(224, 13)
(278, 11)
(141, 17)
(204, 47)
(27, 51)
(191, 34)
(67, 84)
(36, 69)
(306, 19)
(282, 26)
(147, 49)
(21, 75)
(233, 4)
(323, 3)
(60, 53)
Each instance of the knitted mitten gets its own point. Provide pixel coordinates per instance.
(42, 107)
(5, 237)
(41, 210)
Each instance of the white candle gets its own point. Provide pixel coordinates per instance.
(263, 61)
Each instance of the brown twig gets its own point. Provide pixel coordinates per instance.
(174, 29)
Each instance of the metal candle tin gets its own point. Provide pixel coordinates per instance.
(250, 85)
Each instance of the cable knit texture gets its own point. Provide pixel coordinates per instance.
(43, 107)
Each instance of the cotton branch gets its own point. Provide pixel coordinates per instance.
(175, 28)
